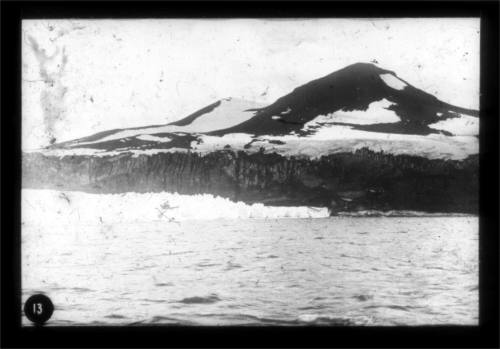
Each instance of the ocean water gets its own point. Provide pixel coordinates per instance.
(323, 271)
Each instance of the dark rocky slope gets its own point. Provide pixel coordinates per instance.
(351, 88)
(344, 181)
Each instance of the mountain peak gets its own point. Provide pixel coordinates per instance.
(359, 70)
(360, 73)
(353, 88)
(365, 67)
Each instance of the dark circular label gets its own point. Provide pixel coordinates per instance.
(38, 308)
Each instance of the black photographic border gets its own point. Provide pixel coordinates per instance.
(13, 335)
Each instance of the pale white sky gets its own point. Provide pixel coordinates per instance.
(86, 76)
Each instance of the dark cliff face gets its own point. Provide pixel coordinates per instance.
(344, 181)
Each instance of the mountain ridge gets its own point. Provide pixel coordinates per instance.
(352, 88)
(354, 106)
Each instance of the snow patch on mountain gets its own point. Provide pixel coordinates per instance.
(230, 112)
(339, 139)
(393, 82)
(39, 206)
(138, 152)
(153, 138)
(464, 125)
(377, 112)
(60, 153)
(207, 144)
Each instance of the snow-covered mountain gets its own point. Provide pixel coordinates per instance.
(360, 138)
(362, 96)
(360, 106)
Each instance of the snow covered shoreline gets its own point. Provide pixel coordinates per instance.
(41, 205)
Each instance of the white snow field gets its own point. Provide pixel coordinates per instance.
(393, 81)
(236, 141)
(377, 112)
(327, 140)
(343, 139)
(331, 139)
(66, 207)
(147, 137)
(231, 112)
(102, 153)
(464, 125)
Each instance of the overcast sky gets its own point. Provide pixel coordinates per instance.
(86, 76)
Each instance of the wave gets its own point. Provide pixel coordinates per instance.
(319, 319)
(252, 320)
(393, 307)
(115, 316)
(213, 298)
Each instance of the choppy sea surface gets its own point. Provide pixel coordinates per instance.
(325, 271)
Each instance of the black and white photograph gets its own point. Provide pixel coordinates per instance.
(250, 171)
